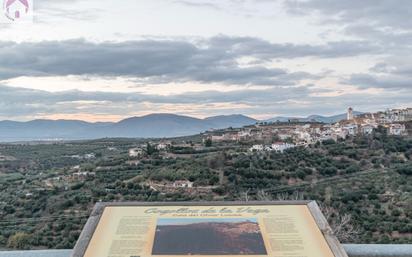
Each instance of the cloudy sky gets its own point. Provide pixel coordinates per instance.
(104, 60)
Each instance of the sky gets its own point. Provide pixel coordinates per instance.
(105, 60)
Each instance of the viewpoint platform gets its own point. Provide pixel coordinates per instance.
(247, 229)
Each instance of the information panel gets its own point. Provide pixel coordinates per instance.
(226, 229)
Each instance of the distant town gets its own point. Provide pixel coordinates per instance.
(265, 137)
(285, 136)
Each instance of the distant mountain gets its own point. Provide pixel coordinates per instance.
(153, 125)
(318, 118)
(236, 120)
(157, 125)
(45, 129)
(149, 126)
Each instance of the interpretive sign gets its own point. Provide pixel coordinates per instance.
(246, 229)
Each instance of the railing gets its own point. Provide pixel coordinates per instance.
(368, 250)
(365, 250)
(43, 253)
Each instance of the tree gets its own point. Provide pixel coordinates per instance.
(150, 149)
(341, 224)
(405, 169)
(208, 142)
(20, 240)
(2, 240)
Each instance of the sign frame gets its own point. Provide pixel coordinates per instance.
(320, 220)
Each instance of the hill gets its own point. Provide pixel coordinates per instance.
(48, 190)
(236, 120)
(149, 126)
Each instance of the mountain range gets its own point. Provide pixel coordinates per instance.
(152, 125)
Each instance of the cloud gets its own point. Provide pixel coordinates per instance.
(199, 4)
(21, 103)
(402, 67)
(380, 22)
(161, 61)
(17, 95)
(379, 13)
(374, 81)
(244, 8)
(61, 9)
(393, 74)
(383, 24)
(262, 49)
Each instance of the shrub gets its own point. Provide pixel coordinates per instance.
(20, 240)
(405, 169)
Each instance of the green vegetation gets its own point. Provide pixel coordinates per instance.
(48, 190)
(19, 241)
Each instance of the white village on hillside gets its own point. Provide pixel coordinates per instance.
(302, 134)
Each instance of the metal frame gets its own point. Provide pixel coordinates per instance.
(353, 250)
(91, 225)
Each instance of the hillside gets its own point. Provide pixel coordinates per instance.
(366, 177)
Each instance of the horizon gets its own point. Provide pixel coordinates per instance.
(201, 118)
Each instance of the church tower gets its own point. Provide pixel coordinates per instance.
(350, 114)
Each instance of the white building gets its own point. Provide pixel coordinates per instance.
(183, 184)
(217, 138)
(367, 129)
(396, 115)
(304, 136)
(284, 136)
(83, 174)
(352, 129)
(397, 129)
(135, 152)
(281, 147)
(256, 148)
(76, 167)
(162, 146)
(89, 156)
(326, 135)
(244, 134)
(338, 132)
